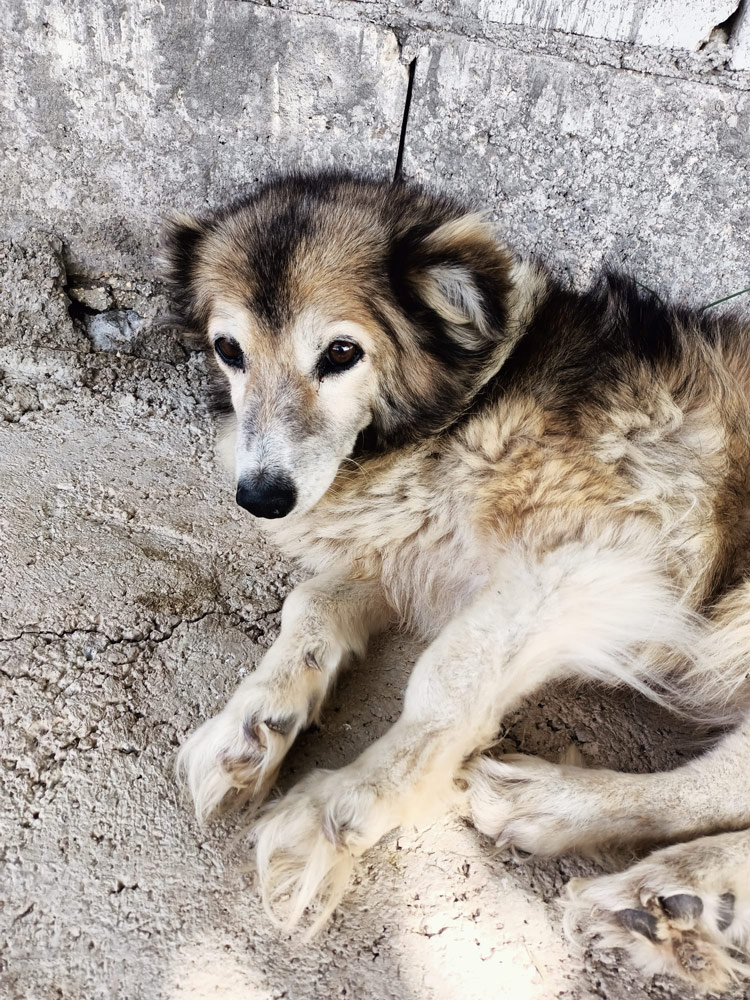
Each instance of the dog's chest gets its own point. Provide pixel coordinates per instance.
(430, 577)
(411, 528)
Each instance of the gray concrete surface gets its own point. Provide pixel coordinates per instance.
(678, 24)
(113, 111)
(583, 165)
(741, 42)
(133, 594)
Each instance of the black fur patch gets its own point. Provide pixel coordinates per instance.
(580, 347)
(270, 260)
(180, 240)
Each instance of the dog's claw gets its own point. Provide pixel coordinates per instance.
(235, 752)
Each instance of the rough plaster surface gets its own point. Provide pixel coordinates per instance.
(113, 112)
(584, 166)
(671, 24)
(718, 57)
(741, 42)
(134, 597)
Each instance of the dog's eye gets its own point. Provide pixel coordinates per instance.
(341, 354)
(229, 351)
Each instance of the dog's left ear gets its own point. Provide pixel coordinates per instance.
(180, 237)
(460, 273)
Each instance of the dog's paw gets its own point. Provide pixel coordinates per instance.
(306, 845)
(235, 756)
(526, 803)
(666, 921)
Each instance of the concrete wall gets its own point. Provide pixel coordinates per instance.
(119, 110)
(590, 129)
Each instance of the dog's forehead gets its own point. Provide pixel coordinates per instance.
(318, 303)
(230, 317)
(281, 260)
(304, 334)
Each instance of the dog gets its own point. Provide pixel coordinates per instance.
(543, 483)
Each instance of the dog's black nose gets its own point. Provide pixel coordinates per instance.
(267, 496)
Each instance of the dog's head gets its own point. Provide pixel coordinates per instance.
(339, 310)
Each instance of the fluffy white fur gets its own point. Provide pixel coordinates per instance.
(583, 610)
(529, 540)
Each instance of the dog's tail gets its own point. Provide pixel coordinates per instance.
(715, 686)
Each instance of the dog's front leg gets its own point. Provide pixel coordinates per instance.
(324, 622)
(577, 610)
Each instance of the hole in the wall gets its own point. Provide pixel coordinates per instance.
(405, 120)
(723, 33)
(732, 23)
(79, 310)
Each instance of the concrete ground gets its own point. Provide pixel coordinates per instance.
(134, 595)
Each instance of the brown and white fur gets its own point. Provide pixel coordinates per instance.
(546, 484)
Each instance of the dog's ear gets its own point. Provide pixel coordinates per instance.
(460, 273)
(180, 237)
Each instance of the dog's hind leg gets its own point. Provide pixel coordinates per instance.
(236, 755)
(684, 910)
(581, 608)
(551, 809)
(548, 809)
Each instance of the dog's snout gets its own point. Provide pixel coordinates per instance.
(267, 496)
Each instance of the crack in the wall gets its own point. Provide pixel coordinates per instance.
(611, 54)
(405, 120)
(723, 34)
(732, 23)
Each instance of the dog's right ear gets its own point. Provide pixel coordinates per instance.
(181, 235)
(459, 273)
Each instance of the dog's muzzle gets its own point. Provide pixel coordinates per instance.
(267, 496)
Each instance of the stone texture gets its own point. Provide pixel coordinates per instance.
(97, 298)
(33, 299)
(115, 330)
(741, 42)
(113, 113)
(664, 38)
(671, 24)
(585, 165)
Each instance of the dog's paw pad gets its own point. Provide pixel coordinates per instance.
(682, 907)
(683, 933)
(639, 922)
(725, 910)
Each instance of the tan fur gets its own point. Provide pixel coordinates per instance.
(548, 531)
